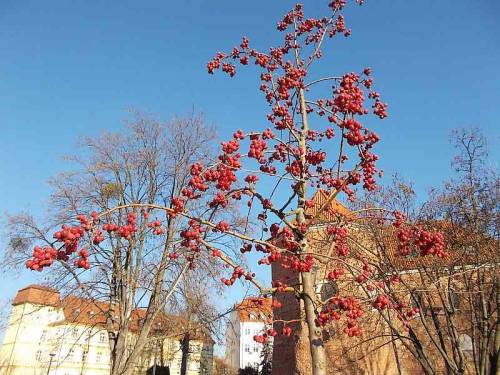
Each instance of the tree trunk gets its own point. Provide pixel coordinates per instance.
(316, 344)
(185, 353)
(495, 363)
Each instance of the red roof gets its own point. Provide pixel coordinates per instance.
(38, 295)
(330, 212)
(93, 313)
(254, 309)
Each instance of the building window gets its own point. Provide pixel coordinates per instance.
(247, 331)
(38, 355)
(71, 355)
(255, 348)
(252, 316)
(74, 332)
(102, 337)
(44, 335)
(98, 357)
(85, 354)
(247, 348)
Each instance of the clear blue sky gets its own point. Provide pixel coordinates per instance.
(72, 68)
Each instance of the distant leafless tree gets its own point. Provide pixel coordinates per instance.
(456, 328)
(147, 164)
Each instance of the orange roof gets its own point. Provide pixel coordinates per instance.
(93, 313)
(38, 295)
(331, 212)
(254, 309)
(84, 311)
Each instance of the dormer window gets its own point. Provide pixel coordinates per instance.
(252, 316)
(91, 314)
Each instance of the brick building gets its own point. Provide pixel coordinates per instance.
(380, 354)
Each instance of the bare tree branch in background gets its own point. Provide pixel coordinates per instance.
(455, 324)
(148, 164)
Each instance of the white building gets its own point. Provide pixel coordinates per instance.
(250, 318)
(67, 336)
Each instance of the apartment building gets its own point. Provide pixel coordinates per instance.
(251, 317)
(50, 335)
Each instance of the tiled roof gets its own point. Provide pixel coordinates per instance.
(331, 212)
(254, 309)
(38, 295)
(93, 313)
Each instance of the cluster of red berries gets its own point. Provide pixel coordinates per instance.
(223, 226)
(98, 237)
(381, 302)
(427, 242)
(279, 285)
(369, 170)
(365, 274)
(399, 219)
(83, 260)
(125, 231)
(69, 236)
(128, 230)
(335, 273)
(156, 227)
(295, 263)
(257, 147)
(42, 257)
(431, 243)
(192, 235)
(349, 97)
(337, 306)
(270, 333)
(405, 312)
(340, 238)
(237, 273)
(276, 304)
(177, 205)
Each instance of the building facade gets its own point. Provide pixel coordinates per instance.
(250, 318)
(444, 291)
(47, 334)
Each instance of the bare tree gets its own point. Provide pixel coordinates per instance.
(454, 324)
(137, 261)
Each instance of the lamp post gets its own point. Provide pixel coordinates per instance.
(52, 355)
